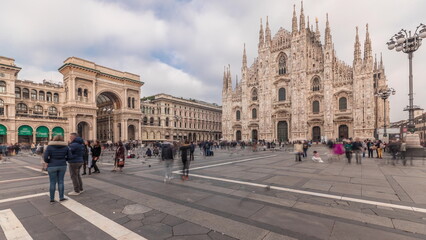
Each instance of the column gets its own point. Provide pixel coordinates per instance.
(124, 129)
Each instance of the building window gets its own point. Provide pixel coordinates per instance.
(86, 93)
(133, 103)
(238, 115)
(55, 97)
(1, 107)
(151, 121)
(25, 93)
(281, 94)
(282, 65)
(79, 92)
(145, 121)
(53, 111)
(254, 113)
(343, 104)
(38, 110)
(167, 122)
(254, 94)
(2, 86)
(49, 96)
(22, 107)
(18, 92)
(316, 84)
(315, 107)
(34, 95)
(41, 96)
(129, 102)
(159, 121)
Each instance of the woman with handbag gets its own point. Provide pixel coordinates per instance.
(119, 157)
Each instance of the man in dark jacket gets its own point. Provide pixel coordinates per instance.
(357, 148)
(167, 157)
(185, 161)
(191, 151)
(76, 162)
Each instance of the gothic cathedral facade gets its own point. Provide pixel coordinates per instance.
(298, 89)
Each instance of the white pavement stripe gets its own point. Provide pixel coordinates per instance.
(227, 163)
(21, 179)
(112, 228)
(12, 227)
(36, 169)
(324, 195)
(22, 197)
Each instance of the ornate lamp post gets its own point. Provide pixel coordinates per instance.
(385, 94)
(409, 43)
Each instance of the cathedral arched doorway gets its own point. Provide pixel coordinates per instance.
(316, 134)
(343, 132)
(254, 135)
(238, 135)
(131, 132)
(282, 131)
(83, 130)
(108, 103)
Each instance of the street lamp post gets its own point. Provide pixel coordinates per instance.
(109, 110)
(409, 43)
(385, 94)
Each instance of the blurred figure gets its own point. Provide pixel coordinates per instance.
(167, 157)
(184, 149)
(96, 153)
(316, 157)
(298, 151)
(119, 157)
(348, 150)
(357, 148)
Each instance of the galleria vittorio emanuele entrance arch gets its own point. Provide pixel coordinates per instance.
(101, 103)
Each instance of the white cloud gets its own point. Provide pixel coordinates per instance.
(180, 47)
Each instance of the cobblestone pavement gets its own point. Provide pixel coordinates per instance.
(237, 194)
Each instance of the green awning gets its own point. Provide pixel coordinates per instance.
(25, 131)
(57, 131)
(42, 132)
(3, 130)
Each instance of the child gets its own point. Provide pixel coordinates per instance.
(317, 158)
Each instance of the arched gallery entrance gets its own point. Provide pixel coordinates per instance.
(131, 132)
(83, 129)
(108, 103)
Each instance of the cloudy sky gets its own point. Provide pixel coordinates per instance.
(180, 46)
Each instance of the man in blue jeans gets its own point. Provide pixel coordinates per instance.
(56, 155)
(76, 162)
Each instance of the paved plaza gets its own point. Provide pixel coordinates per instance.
(237, 194)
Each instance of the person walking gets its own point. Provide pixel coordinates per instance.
(305, 148)
(119, 157)
(96, 153)
(191, 151)
(357, 148)
(348, 150)
(403, 150)
(379, 149)
(56, 156)
(86, 158)
(167, 157)
(76, 162)
(298, 150)
(184, 149)
(371, 147)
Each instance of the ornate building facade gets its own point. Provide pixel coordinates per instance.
(95, 101)
(165, 117)
(298, 89)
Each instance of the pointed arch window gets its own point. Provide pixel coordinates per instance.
(316, 84)
(281, 94)
(254, 95)
(315, 107)
(238, 115)
(343, 104)
(282, 65)
(254, 113)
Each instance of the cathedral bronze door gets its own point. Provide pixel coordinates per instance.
(343, 132)
(282, 131)
(254, 135)
(316, 134)
(238, 135)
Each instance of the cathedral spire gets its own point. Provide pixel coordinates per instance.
(367, 45)
(357, 48)
(327, 32)
(261, 35)
(244, 57)
(381, 61)
(308, 24)
(317, 32)
(294, 20)
(302, 19)
(268, 33)
(375, 61)
(225, 80)
(229, 78)
(236, 82)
